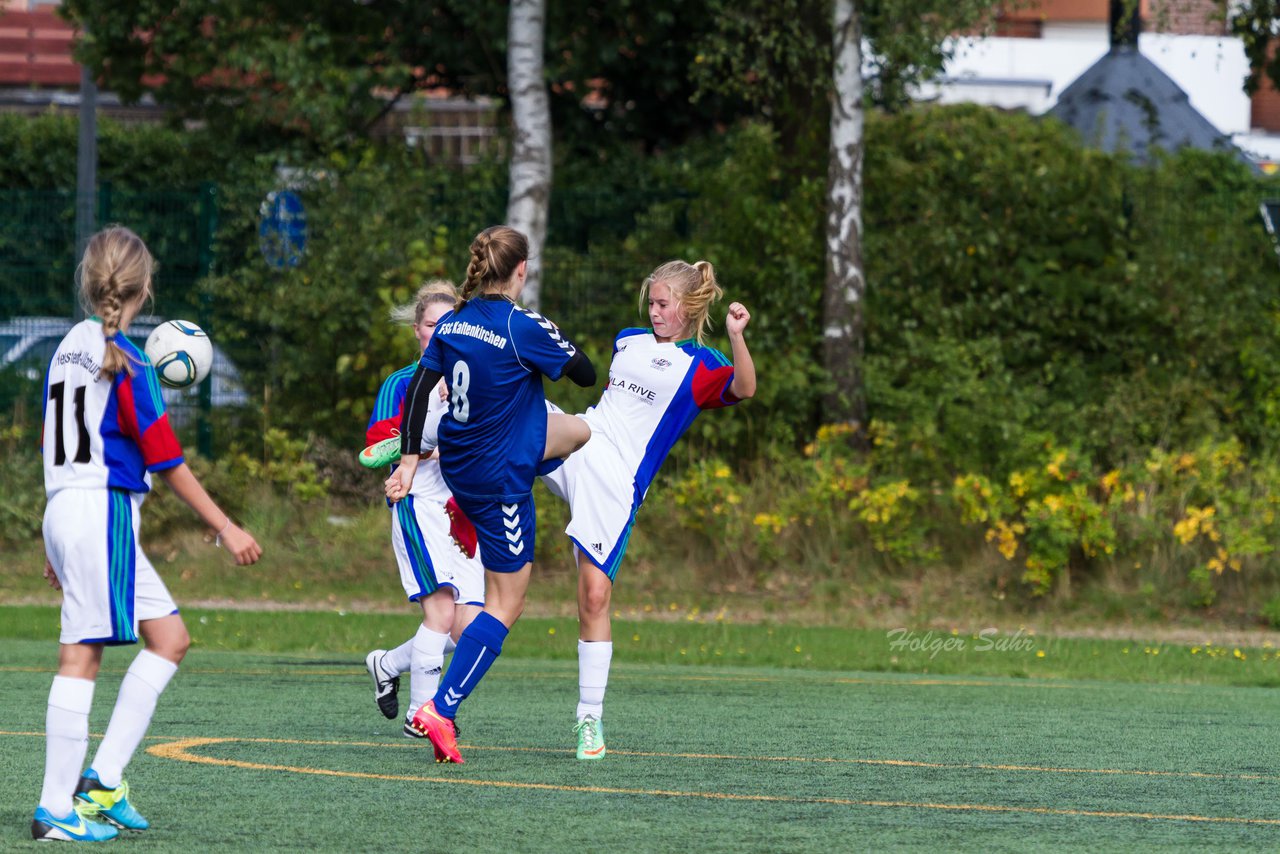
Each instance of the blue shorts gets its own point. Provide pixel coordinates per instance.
(505, 532)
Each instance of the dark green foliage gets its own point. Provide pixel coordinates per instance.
(22, 501)
(1021, 284)
(149, 177)
(316, 339)
(289, 74)
(40, 153)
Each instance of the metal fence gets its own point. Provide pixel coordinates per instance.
(37, 244)
(587, 291)
(37, 279)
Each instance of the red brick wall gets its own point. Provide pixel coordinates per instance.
(1178, 17)
(35, 49)
(1183, 17)
(1061, 10)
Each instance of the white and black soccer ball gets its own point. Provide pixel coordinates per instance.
(181, 353)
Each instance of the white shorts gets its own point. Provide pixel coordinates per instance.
(108, 585)
(427, 556)
(600, 492)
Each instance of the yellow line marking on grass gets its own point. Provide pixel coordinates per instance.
(820, 760)
(180, 751)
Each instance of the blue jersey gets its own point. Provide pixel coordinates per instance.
(493, 355)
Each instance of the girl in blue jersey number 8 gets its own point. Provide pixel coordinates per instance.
(105, 432)
(446, 582)
(659, 380)
(493, 440)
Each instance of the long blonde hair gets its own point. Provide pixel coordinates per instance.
(495, 254)
(431, 292)
(114, 273)
(693, 286)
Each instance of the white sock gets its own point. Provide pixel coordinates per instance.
(428, 661)
(66, 726)
(593, 676)
(449, 645)
(141, 687)
(397, 660)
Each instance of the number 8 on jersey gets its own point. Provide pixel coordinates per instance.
(461, 384)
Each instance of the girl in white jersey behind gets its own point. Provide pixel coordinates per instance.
(105, 432)
(659, 380)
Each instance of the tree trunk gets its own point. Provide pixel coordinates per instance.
(845, 286)
(530, 192)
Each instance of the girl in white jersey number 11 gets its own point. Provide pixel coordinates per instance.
(659, 380)
(105, 432)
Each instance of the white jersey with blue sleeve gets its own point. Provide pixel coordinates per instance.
(102, 439)
(655, 391)
(102, 432)
(493, 355)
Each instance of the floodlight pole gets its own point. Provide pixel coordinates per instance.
(86, 171)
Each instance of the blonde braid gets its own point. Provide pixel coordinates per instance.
(495, 254)
(115, 272)
(478, 269)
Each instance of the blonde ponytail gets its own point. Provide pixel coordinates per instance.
(431, 292)
(693, 286)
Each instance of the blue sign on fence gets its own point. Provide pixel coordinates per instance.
(282, 233)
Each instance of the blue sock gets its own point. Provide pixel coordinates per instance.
(478, 648)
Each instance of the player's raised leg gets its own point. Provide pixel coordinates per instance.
(565, 434)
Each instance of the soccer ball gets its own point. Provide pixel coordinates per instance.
(181, 353)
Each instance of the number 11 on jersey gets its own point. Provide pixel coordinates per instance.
(56, 394)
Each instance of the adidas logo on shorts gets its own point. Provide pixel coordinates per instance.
(598, 548)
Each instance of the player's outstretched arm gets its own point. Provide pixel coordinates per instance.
(413, 421)
(238, 541)
(744, 369)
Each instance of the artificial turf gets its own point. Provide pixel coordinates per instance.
(286, 751)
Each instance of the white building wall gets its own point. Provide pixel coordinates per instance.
(1030, 74)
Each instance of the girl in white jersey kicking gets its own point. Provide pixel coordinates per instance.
(105, 432)
(659, 380)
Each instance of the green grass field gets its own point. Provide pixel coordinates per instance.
(284, 750)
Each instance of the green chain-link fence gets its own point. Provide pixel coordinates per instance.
(37, 269)
(591, 293)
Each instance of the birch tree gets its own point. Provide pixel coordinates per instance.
(845, 285)
(791, 58)
(530, 175)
